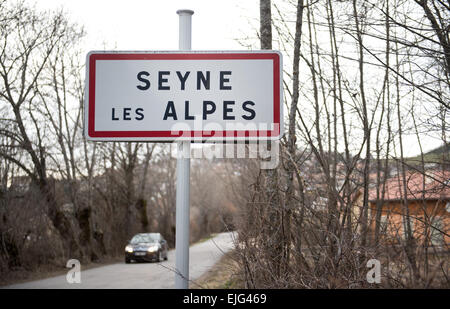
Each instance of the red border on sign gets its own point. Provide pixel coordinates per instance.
(184, 56)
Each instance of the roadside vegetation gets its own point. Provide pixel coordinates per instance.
(224, 275)
(366, 83)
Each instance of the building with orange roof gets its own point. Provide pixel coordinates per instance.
(427, 200)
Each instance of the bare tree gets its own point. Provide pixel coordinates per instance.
(345, 146)
(30, 44)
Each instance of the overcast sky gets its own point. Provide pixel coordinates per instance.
(153, 24)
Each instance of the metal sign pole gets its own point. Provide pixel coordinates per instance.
(183, 175)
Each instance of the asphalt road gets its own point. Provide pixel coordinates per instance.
(141, 275)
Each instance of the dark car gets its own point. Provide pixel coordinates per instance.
(146, 247)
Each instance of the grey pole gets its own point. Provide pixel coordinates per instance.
(183, 175)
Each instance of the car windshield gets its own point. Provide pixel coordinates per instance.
(144, 238)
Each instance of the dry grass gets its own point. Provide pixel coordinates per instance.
(223, 275)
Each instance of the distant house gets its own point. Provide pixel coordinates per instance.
(428, 201)
(20, 184)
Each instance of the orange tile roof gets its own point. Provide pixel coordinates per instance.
(437, 186)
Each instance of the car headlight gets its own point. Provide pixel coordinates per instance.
(129, 249)
(153, 248)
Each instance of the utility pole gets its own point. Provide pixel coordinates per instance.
(183, 175)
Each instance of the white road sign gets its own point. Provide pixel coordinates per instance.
(167, 96)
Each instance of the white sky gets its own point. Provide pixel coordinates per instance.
(153, 24)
